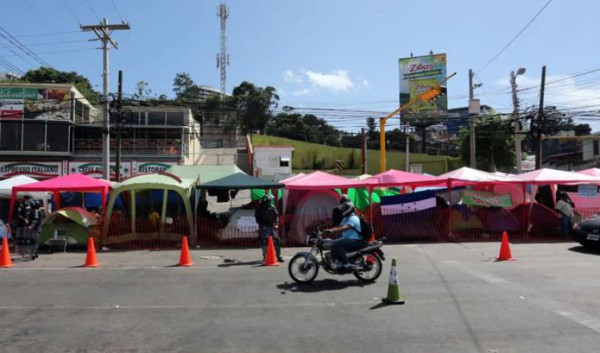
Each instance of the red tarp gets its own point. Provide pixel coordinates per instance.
(71, 182)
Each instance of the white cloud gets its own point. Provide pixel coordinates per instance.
(303, 92)
(291, 76)
(336, 81)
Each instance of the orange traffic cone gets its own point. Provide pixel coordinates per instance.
(504, 249)
(271, 258)
(5, 260)
(185, 259)
(90, 259)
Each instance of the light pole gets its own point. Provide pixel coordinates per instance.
(513, 84)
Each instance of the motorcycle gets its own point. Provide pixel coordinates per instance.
(304, 266)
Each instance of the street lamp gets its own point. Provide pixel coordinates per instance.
(513, 84)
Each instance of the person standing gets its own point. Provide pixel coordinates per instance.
(25, 215)
(564, 206)
(35, 228)
(267, 218)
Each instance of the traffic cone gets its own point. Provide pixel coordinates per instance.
(271, 258)
(185, 259)
(504, 249)
(5, 260)
(90, 259)
(393, 295)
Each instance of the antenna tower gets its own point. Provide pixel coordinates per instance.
(223, 57)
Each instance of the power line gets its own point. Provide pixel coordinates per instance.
(9, 37)
(116, 9)
(515, 37)
(71, 11)
(92, 8)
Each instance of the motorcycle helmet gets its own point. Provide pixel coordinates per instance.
(344, 198)
(267, 199)
(347, 208)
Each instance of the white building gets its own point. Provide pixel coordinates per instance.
(272, 162)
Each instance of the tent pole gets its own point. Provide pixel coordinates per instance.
(163, 212)
(450, 208)
(133, 215)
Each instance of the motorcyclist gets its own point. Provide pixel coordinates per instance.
(351, 239)
(267, 218)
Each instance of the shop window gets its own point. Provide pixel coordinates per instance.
(10, 135)
(175, 118)
(156, 118)
(34, 133)
(57, 137)
(284, 162)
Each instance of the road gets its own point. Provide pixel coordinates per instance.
(458, 299)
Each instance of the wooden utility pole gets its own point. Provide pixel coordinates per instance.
(103, 32)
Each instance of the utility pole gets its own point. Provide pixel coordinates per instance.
(363, 150)
(103, 31)
(223, 57)
(513, 84)
(541, 119)
(119, 122)
(474, 110)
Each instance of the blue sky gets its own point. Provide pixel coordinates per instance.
(335, 57)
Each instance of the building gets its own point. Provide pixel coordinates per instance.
(272, 162)
(459, 117)
(48, 130)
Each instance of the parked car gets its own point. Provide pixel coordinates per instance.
(587, 233)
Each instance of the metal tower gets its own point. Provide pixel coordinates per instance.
(223, 57)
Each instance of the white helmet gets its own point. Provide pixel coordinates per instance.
(347, 208)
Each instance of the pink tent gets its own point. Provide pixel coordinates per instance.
(71, 182)
(592, 172)
(321, 181)
(394, 177)
(553, 176)
(466, 175)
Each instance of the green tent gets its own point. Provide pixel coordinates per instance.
(75, 224)
(164, 182)
(239, 180)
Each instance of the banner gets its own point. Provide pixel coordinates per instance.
(486, 199)
(419, 74)
(587, 190)
(38, 170)
(35, 103)
(408, 203)
(151, 167)
(94, 169)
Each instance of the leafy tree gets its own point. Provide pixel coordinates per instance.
(253, 105)
(494, 141)
(141, 90)
(185, 89)
(372, 129)
(51, 75)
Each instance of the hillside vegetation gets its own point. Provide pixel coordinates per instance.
(312, 156)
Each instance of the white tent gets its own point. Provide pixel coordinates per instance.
(6, 186)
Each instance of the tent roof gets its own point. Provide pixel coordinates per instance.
(321, 180)
(71, 182)
(394, 177)
(6, 185)
(292, 178)
(207, 173)
(591, 171)
(466, 174)
(155, 181)
(554, 176)
(76, 214)
(240, 181)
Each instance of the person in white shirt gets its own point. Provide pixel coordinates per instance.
(564, 206)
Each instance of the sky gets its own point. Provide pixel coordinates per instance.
(334, 58)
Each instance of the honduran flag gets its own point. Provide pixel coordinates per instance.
(408, 203)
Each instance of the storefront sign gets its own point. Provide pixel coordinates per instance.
(35, 103)
(487, 199)
(94, 169)
(39, 170)
(152, 167)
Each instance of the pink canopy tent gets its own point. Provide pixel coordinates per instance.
(71, 182)
(321, 181)
(466, 175)
(553, 176)
(394, 177)
(592, 172)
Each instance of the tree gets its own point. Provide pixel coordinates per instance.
(494, 141)
(185, 89)
(51, 75)
(141, 90)
(253, 105)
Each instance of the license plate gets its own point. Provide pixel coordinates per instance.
(595, 237)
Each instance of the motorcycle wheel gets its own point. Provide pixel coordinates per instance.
(371, 270)
(303, 270)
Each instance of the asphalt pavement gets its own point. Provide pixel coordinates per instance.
(458, 299)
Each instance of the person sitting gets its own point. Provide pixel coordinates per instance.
(154, 218)
(351, 239)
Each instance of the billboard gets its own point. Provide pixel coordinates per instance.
(38, 170)
(418, 74)
(151, 167)
(94, 169)
(18, 103)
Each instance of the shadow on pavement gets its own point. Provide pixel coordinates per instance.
(584, 250)
(319, 286)
(234, 262)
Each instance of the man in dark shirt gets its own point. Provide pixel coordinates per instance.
(267, 218)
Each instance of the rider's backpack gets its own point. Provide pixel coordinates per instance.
(366, 229)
